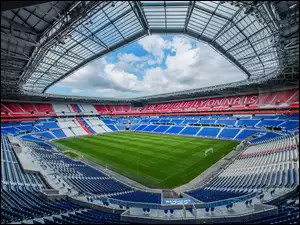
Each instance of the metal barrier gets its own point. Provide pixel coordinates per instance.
(162, 206)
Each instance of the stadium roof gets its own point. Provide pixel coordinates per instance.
(42, 44)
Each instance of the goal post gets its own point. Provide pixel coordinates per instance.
(208, 151)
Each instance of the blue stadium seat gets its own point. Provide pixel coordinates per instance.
(150, 128)
(226, 122)
(190, 131)
(245, 134)
(209, 132)
(228, 133)
(112, 127)
(58, 133)
(161, 129)
(248, 123)
(174, 130)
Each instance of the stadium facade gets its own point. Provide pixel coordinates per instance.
(42, 43)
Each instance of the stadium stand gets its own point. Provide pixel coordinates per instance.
(42, 182)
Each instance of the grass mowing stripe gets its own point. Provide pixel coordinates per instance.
(113, 157)
(130, 146)
(155, 160)
(160, 152)
(140, 177)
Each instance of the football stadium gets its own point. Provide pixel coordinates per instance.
(149, 112)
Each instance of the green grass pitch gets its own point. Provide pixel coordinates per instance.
(154, 160)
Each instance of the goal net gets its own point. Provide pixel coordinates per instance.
(207, 151)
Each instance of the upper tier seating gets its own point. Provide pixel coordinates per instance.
(4, 109)
(43, 107)
(243, 103)
(60, 107)
(13, 107)
(110, 108)
(28, 107)
(226, 122)
(269, 123)
(248, 122)
(206, 121)
(87, 107)
(118, 108)
(101, 109)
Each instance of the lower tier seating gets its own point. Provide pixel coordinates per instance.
(26, 204)
(140, 196)
(206, 195)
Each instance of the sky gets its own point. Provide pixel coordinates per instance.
(152, 65)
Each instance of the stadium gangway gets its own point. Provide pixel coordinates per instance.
(169, 206)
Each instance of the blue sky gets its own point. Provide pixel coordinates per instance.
(152, 65)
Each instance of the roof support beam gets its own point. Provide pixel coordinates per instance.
(261, 62)
(250, 57)
(8, 5)
(189, 14)
(11, 68)
(139, 13)
(219, 49)
(19, 26)
(24, 21)
(211, 12)
(14, 56)
(93, 37)
(41, 18)
(118, 45)
(211, 16)
(82, 45)
(8, 35)
(264, 52)
(237, 45)
(222, 30)
(112, 23)
(66, 54)
(59, 64)
(70, 49)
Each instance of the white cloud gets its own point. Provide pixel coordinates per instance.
(189, 66)
(77, 90)
(130, 58)
(155, 45)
